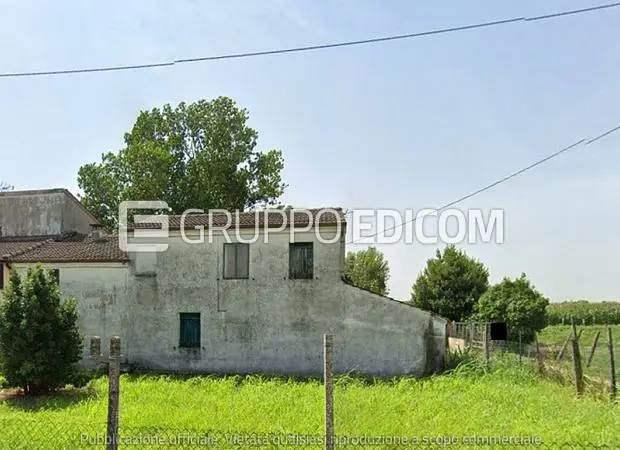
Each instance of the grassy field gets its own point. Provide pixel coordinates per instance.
(556, 335)
(507, 401)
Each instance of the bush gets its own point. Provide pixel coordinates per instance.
(517, 303)
(450, 285)
(81, 376)
(40, 344)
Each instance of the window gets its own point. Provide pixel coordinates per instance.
(56, 275)
(236, 261)
(1, 276)
(301, 261)
(190, 330)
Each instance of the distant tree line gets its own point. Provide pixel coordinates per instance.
(582, 311)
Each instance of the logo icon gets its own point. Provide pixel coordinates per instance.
(145, 231)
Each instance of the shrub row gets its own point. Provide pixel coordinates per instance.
(584, 313)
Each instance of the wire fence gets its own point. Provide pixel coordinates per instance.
(42, 434)
(580, 355)
(49, 430)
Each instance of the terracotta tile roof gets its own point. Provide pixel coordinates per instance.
(10, 248)
(300, 217)
(69, 248)
(10, 239)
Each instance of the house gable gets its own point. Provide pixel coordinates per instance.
(42, 213)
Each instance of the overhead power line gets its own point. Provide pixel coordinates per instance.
(580, 142)
(313, 47)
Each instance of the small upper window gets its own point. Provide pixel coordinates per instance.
(301, 260)
(236, 261)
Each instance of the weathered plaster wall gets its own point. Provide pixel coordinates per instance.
(267, 323)
(101, 293)
(31, 214)
(270, 323)
(37, 213)
(74, 218)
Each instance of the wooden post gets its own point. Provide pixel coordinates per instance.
(487, 350)
(612, 365)
(577, 361)
(539, 360)
(95, 347)
(568, 339)
(113, 395)
(328, 379)
(593, 348)
(520, 345)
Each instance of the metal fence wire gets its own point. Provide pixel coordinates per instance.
(572, 357)
(39, 434)
(48, 431)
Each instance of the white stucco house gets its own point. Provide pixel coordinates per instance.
(225, 305)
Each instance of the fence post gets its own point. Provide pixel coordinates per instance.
(113, 395)
(95, 348)
(577, 361)
(487, 350)
(539, 360)
(568, 339)
(520, 345)
(328, 379)
(612, 364)
(598, 333)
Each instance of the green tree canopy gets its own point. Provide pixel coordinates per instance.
(516, 302)
(450, 284)
(40, 344)
(368, 269)
(202, 155)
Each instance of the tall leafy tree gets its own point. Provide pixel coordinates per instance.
(202, 155)
(450, 284)
(40, 344)
(516, 302)
(368, 269)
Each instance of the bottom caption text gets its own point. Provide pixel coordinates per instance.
(248, 440)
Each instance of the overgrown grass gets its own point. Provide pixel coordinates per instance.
(507, 400)
(555, 336)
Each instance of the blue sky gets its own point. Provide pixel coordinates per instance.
(403, 124)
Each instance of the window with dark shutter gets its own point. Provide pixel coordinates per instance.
(236, 261)
(190, 330)
(301, 260)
